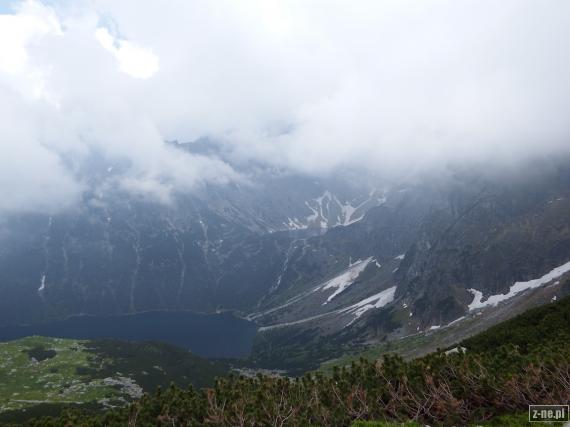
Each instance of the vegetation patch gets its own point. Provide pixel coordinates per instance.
(40, 375)
(39, 370)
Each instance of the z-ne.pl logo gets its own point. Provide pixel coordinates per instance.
(545, 413)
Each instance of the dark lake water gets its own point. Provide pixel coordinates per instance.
(209, 335)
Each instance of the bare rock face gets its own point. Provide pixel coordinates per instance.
(486, 239)
(439, 243)
(221, 247)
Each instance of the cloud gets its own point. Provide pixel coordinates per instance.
(390, 86)
(32, 177)
(133, 60)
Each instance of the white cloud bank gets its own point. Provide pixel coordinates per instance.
(134, 60)
(386, 85)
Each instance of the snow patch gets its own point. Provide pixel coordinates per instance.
(453, 322)
(350, 263)
(313, 217)
(318, 215)
(378, 300)
(323, 205)
(400, 257)
(294, 224)
(42, 283)
(348, 212)
(345, 279)
(515, 289)
(435, 327)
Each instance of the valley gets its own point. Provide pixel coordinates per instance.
(284, 213)
(421, 268)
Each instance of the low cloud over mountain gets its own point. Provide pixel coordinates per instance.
(394, 87)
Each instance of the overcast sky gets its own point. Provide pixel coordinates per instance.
(312, 85)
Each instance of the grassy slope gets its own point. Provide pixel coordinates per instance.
(41, 375)
(408, 347)
(25, 382)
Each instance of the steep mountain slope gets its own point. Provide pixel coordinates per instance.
(438, 245)
(220, 247)
(335, 258)
(482, 248)
(502, 233)
(373, 248)
(129, 257)
(271, 200)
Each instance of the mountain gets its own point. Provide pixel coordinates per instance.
(219, 247)
(480, 249)
(321, 265)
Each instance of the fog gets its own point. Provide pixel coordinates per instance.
(396, 87)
